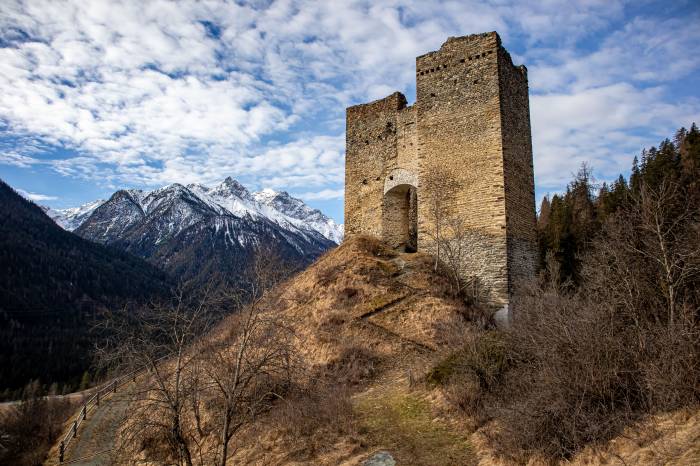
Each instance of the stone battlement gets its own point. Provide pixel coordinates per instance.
(470, 119)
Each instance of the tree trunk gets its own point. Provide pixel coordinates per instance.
(225, 437)
(182, 445)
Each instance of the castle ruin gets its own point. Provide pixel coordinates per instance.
(471, 121)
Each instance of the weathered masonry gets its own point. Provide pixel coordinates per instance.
(470, 123)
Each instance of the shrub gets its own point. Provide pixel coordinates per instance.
(29, 428)
(484, 356)
(354, 365)
(312, 418)
(347, 297)
(580, 364)
(471, 376)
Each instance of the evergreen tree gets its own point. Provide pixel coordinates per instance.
(85, 381)
(543, 217)
(568, 224)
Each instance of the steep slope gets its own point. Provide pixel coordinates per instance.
(51, 281)
(197, 233)
(368, 321)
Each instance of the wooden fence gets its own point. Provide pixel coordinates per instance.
(93, 403)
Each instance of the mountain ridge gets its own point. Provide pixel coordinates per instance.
(198, 233)
(229, 195)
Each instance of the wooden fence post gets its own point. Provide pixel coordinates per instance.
(75, 429)
(97, 399)
(84, 411)
(61, 450)
(114, 386)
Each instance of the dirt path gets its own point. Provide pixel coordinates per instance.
(97, 435)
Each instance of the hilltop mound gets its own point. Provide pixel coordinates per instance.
(369, 320)
(391, 303)
(382, 325)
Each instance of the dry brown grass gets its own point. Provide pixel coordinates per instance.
(362, 385)
(362, 316)
(310, 422)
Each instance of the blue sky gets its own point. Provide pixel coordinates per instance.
(99, 95)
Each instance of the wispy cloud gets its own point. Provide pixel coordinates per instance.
(36, 196)
(148, 93)
(323, 195)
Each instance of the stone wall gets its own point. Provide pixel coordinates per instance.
(459, 131)
(470, 120)
(518, 171)
(370, 144)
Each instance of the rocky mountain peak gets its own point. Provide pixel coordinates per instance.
(230, 187)
(194, 202)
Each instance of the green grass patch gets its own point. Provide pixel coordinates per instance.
(403, 423)
(379, 301)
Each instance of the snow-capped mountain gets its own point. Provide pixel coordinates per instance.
(229, 196)
(70, 219)
(296, 210)
(199, 232)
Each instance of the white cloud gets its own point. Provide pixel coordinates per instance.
(601, 126)
(643, 51)
(148, 93)
(17, 160)
(36, 196)
(323, 195)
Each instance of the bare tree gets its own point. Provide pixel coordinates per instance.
(161, 339)
(584, 362)
(252, 365)
(449, 232)
(202, 383)
(667, 240)
(439, 186)
(29, 427)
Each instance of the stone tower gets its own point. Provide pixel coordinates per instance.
(471, 121)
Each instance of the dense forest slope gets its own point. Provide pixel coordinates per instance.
(51, 282)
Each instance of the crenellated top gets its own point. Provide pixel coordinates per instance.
(486, 39)
(388, 105)
(464, 51)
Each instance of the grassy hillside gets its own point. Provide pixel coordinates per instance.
(383, 358)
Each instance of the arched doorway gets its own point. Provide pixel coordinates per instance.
(400, 211)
